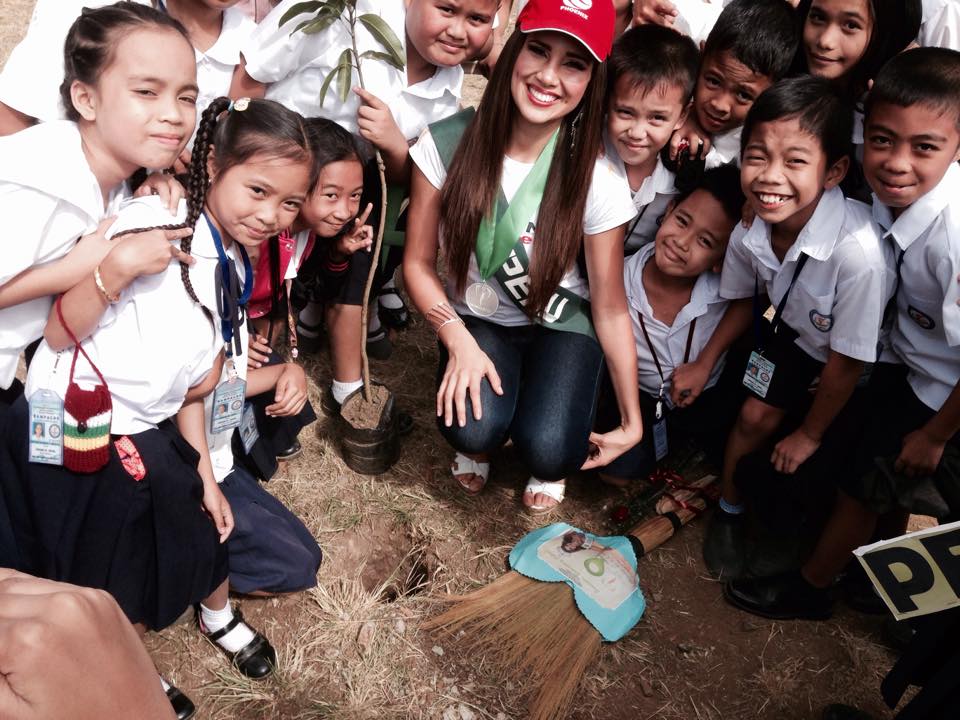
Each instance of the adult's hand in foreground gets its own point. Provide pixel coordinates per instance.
(69, 652)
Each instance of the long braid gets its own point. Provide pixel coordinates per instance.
(198, 181)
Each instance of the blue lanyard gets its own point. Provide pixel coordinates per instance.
(229, 305)
(778, 315)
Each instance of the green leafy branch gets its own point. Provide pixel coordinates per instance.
(323, 14)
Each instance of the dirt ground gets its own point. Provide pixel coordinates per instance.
(351, 648)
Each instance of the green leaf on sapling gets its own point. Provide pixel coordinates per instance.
(385, 36)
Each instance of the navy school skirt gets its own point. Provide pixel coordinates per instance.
(148, 543)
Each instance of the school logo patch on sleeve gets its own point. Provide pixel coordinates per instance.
(921, 318)
(821, 322)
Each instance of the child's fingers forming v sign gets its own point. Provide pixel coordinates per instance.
(359, 236)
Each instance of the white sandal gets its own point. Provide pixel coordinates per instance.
(462, 465)
(554, 490)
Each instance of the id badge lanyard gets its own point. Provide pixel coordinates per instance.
(660, 445)
(778, 315)
(229, 396)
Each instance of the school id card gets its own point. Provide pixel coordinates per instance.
(46, 428)
(228, 400)
(759, 374)
(248, 428)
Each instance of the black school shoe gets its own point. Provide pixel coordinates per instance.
(182, 705)
(844, 712)
(257, 659)
(782, 597)
(291, 453)
(724, 547)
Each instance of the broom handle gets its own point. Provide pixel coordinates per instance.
(654, 532)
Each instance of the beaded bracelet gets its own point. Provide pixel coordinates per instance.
(112, 299)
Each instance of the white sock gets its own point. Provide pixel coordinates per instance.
(164, 684)
(311, 318)
(340, 390)
(214, 620)
(391, 301)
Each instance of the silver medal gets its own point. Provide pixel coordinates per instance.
(482, 299)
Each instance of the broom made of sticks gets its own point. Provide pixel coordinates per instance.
(534, 631)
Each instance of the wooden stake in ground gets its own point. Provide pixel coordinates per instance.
(534, 631)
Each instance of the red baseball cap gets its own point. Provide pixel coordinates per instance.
(589, 21)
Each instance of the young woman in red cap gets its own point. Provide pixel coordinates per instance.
(531, 221)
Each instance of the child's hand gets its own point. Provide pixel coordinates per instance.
(218, 508)
(690, 135)
(377, 125)
(92, 248)
(181, 165)
(259, 352)
(146, 253)
(606, 448)
(291, 392)
(688, 382)
(165, 187)
(920, 454)
(747, 215)
(359, 237)
(793, 451)
(654, 12)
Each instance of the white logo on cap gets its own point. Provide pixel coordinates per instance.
(578, 7)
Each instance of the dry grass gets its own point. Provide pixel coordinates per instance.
(352, 649)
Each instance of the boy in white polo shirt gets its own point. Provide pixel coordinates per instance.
(908, 458)
(817, 258)
(651, 72)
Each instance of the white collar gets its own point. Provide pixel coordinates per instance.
(726, 147)
(915, 220)
(659, 182)
(234, 31)
(444, 80)
(49, 157)
(817, 239)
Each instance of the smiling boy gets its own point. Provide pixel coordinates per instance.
(908, 458)
(817, 258)
(651, 75)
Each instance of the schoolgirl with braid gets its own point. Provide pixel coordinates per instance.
(135, 508)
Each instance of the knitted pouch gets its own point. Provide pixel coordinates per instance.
(86, 417)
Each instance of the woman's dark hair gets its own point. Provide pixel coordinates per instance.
(896, 24)
(473, 180)
(93, 37)
(723, 183)
(818, 106)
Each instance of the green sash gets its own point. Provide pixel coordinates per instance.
(500, 251)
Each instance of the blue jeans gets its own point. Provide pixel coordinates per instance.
(551, 381)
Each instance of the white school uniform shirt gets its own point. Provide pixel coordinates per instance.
(609, 205)
(295, 67)
(31, 78)
(926, 330)
(696, 18)
(838, 300)
(706, 306)
(941, 24)
(155, 343)
(49, 198)
(724, 149)
(216, 66)
(650, 201)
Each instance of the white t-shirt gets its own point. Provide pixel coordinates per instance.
(49, 198)
(155, 343)
(926, 331)
(941, 24)
(296, 65)
(609, 205)
(670, 341)
(838, 300)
